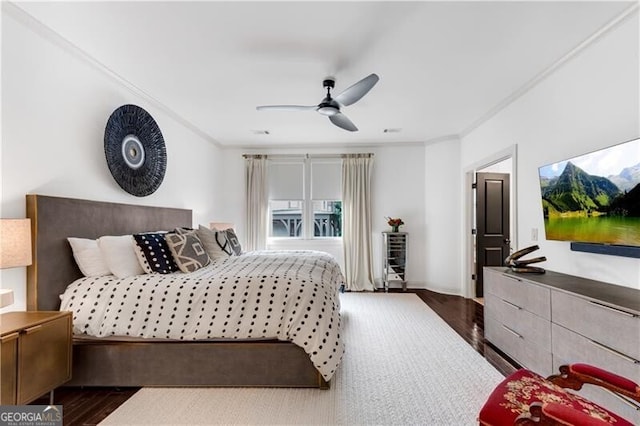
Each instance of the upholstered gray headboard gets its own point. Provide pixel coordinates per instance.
(53, 219)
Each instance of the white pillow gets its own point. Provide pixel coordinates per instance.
(88, 257)
(209, 241)
(120, 256)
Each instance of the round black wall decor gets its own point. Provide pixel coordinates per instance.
(135, 151)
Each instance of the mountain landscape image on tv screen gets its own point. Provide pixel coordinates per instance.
(594, 198)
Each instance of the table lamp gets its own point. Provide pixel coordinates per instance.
(6, 297)
(15, 250)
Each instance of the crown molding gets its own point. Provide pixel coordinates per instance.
(342, 145)
(346, 145)
(605, 29)
(38, 27)
(444, 138)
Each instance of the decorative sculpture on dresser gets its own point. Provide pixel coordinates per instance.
(513, 261)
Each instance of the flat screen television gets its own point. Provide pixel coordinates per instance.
(594, 198)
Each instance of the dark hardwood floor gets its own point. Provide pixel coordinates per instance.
(466, 317)
(89, 406)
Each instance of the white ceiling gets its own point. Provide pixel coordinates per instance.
(442, 65)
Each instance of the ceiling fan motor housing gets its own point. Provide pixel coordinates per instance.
(328, 106)
(329, 82)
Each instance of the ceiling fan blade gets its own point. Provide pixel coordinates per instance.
(354, 93)
(342, 121)
(286, 107)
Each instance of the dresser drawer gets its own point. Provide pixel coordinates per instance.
(526, 352)
(612, 327)
(531, 327)
(570, 347)
(525, 294)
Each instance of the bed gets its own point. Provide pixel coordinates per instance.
(168, 359)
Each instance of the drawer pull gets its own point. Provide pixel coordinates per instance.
(9, 337)
(609, 308)
(614, 352)
(33, 329)
(512, 278)
(512, 332)
(624, 400)
(513, 305)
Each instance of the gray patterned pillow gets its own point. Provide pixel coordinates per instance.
(187, 250)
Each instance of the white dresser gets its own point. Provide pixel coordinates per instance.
(545, 321)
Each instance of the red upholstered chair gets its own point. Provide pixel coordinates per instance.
(525, 398)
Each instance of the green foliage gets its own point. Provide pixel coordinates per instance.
(336, 218)
(628, 204)
(576, 190)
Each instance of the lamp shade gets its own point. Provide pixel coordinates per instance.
(221, 226)
(15, 243)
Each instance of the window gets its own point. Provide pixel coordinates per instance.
(305, 198)
(286, 218)
(327, 218)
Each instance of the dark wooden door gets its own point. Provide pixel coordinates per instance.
(492, 223)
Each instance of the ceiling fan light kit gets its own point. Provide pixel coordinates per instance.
(328, 110)
(330, 106)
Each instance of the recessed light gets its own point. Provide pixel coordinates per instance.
(393, 130)
(260, 132)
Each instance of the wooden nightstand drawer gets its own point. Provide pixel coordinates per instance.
(8, 372)
(45, 358)
(36, 354)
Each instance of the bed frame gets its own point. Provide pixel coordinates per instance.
(107, 362)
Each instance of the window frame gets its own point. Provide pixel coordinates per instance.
(307, 211)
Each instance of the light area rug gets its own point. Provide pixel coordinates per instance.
(403, 365)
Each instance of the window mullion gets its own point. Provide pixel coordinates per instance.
(308, 205)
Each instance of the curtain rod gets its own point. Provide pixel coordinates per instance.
(277, 156)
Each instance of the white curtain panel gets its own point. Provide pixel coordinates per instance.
(257, 202)
(356, 222)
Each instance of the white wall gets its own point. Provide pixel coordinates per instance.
(590, 102)
(54, 110)
(443, 215)
(398, 184)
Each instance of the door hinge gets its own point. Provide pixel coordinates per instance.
(474, 185)
(474, 231)
(473, 277)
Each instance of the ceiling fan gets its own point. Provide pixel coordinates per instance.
(331, 106)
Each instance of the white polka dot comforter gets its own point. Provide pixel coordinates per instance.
(284, 295)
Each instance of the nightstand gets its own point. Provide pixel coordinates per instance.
(394, 262)
(35, 354)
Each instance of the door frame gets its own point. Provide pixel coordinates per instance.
(468, 180)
